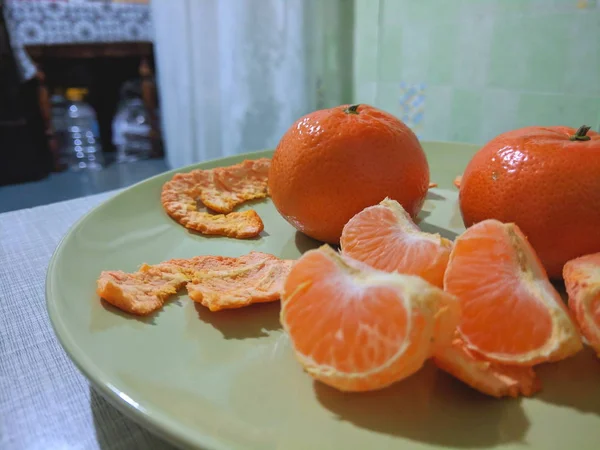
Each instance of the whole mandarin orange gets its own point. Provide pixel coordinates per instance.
(547, 181)
(333, 163)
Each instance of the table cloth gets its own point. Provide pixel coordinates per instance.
(45, 402)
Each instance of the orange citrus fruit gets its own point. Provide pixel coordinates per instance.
(546, 180)
(385, 237)
(333, 163)
(356, 328)
(487, 377)
(582, 280)
(511, 313)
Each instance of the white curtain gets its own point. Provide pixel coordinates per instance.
(233, 75)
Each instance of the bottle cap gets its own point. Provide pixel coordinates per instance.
(76, 94)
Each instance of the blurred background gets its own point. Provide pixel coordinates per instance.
(97, 94)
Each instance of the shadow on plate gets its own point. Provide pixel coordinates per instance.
(573, 382)
(430, 228)
(434, 196)
(101, 322)
(253, 321)
(305, 243)
(114, 430)
(433, 408)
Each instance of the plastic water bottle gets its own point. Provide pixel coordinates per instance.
(131, 129)
(82, 144)
(59, 107)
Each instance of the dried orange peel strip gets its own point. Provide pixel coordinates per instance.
(179, 199)
(489, 378)
(238, 282)
(224, 188)
(457, 181)
(582, 280)
(144, 291)
(217, 282)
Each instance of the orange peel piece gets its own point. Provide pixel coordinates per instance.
(237, 282)
(457, 181)
(224, 188)
(218, 282)
(220, 189)
(433, 185)
(142, 292)
(492, 379)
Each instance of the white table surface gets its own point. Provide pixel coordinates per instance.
(45, 402)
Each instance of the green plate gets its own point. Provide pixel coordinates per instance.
(229, 380)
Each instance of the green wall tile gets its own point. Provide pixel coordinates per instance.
(415, 52)
(387, 97)
(473, 52)
(365, 92)
(437, 113)
(466, 112)
(548, 40)
(583, 59)
(390, 59)
(558, 109)
(488, 65)
(508, 53)
(421, 11)
(513, 6)
(442, 52)
(498, 112)
(365, 40)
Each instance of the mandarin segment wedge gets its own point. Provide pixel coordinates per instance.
(582, 280)
(385, 237)
(492, 379)
(511, 313)
(356, 328)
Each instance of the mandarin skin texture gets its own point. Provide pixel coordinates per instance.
(547, 181)
(333, 163)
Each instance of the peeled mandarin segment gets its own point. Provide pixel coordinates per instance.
(511, 314)
(489, 378)
(357, 329)
(385, 237)
(582, 280)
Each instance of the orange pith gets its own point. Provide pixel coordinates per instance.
(511, 313)
(489, 378)
(385, 237)
(355, 328)
(582, 280)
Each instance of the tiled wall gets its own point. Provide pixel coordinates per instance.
(466, 70)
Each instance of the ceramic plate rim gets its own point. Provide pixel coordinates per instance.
(151, 418)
